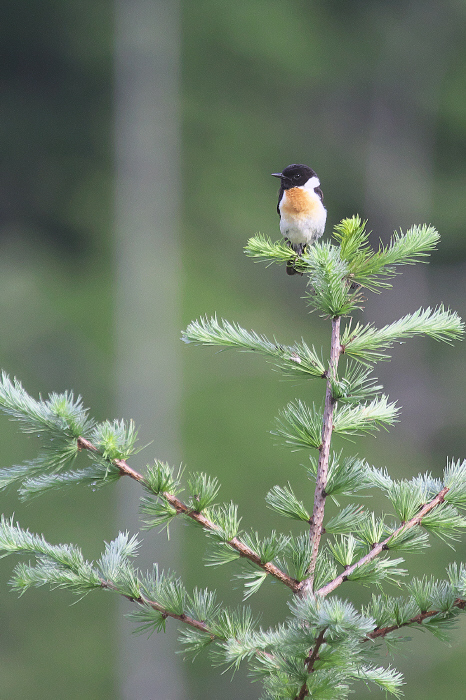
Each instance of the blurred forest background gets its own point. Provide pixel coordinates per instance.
(372, 95)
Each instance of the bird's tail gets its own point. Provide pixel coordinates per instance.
(291, 270)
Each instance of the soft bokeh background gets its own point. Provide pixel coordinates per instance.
(373, 96)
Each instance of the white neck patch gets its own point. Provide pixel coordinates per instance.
(311, 184)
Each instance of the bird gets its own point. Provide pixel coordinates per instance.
(300, 208)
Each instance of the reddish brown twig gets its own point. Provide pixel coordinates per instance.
(186, 619)
(314, 653)
(183, 509)
(417, 619)
(317, 519)
(310, 661)
(381, 546)
(242, 549)
(122, 465)
(191, 621)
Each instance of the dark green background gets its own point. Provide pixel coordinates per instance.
(373, 96)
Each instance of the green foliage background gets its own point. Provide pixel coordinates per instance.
(264, 84)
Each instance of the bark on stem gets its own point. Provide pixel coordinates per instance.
(322, 467)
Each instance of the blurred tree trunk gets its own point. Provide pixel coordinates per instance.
(148, 276)
(399, 175)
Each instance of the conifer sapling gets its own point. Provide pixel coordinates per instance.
(326, 645)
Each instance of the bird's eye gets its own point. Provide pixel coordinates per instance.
(296, 177)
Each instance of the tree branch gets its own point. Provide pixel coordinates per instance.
(122, 465)
(417, 619)
(310, 661)
(314, 653)
(191, 621)
(181, 508)
(381, 546)
(186, 619)
(242, 549)
(322, 467)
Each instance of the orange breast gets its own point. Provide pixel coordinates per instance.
(297, 203)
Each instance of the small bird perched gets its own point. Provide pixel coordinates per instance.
(300, 207)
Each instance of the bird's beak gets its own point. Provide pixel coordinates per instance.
(276, 174)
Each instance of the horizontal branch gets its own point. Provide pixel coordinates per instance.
(381, 546)
(122, 465)
(183, 509)
(186, 619)
(191, 621)
(417, 619)
(293, 359)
